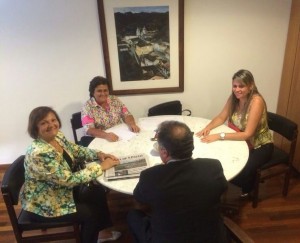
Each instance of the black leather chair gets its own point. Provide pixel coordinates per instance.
(12, 183)
(169, 108)
(282, 158)
(76, 124)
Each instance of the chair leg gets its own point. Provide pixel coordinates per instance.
(77, 232)
(286, 182)
(256, 190)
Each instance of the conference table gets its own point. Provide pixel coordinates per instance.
(233, 155)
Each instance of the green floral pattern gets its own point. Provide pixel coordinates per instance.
(49, 181)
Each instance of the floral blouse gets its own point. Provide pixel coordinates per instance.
(95, 116)
(49, 180)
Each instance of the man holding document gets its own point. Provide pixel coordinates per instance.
(182, 194)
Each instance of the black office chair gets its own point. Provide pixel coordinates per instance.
(12, 183)
(169, 108)
(76, 124)
(281, 161)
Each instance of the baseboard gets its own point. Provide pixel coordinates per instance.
(4, 166)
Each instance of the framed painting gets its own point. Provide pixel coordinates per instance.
(143, 45)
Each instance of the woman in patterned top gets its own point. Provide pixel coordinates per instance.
(103, 111)
(52, 188)
(246, 112)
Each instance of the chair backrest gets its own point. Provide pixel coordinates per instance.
(167, 108)
(12, 183)
(76, 124)
(286, 128)
(13, 180)
(283, 126)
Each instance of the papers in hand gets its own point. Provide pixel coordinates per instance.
(130, 167)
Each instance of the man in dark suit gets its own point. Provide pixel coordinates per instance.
(183, 194)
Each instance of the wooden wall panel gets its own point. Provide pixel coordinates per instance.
(289, 100)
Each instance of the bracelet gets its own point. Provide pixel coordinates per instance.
(222, 135)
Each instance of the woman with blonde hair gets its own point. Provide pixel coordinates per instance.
(246, 113)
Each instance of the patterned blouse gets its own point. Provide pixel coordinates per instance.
(262, 134)
(49, 180)
(95, 116)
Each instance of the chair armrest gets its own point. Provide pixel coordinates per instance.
(236, 232)
(186, 112)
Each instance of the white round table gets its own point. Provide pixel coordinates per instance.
(233, 155)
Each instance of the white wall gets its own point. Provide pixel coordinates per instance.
(50, 50)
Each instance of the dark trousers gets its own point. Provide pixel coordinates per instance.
(257, 157)
(139, 226)
(92, 212)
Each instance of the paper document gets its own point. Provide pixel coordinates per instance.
(130, 167)
(124, 134)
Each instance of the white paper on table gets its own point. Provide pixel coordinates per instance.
(151, 123)
(123, 134)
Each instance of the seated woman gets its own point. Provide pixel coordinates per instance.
(246, 112)
(103, 111)
(53, 188)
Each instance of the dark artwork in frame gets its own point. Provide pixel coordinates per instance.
(143, 49)
(143, 42)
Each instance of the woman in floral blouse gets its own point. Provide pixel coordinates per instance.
(52, 179)
(103, 111)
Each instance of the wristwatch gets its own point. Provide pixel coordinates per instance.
(222, 135)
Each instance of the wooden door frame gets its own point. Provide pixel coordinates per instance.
(289, 59)
(290, 76)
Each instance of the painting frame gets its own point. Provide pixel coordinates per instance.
(175, 81)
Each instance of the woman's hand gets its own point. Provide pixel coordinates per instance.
(134, 128)
(210, 138)
(204, 132)
(102, 156)
(111, 137)
(108, 163)
(129, 120)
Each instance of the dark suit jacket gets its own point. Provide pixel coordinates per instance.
(184, 198)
